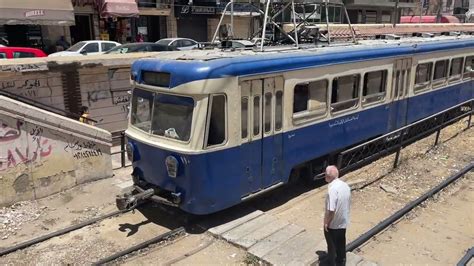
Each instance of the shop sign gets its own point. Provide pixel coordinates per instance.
(143, 30)
(197, 10)
(34, 13)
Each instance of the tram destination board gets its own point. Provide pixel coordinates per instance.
(160, 79)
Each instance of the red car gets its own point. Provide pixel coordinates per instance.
(20, 52)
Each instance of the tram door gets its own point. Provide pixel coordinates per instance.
(399, 94)
(261, 128)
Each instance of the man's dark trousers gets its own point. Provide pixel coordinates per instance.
(336, 241)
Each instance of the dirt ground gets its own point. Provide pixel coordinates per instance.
(379, 192)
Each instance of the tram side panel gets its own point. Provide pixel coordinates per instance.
(321, 139)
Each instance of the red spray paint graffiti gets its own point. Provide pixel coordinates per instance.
(15, 151)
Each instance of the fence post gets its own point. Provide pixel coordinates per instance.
(399, 149)
(122, 148)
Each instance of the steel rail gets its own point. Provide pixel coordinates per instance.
(410, 206)
(466, 258)
(58, 233)
(141, 245)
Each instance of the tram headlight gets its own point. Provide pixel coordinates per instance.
(172, 166)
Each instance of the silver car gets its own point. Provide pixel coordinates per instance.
(179, 43)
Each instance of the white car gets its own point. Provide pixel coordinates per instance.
(87, 48)
(179, 43)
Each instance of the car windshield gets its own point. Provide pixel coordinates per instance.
(162, 114)
(164, 41)
(119, 50)
(76, 47)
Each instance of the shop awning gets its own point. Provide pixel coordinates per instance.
(36, 12)
(118, 8)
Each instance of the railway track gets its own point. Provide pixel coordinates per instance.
(368, 235)
(57, 233)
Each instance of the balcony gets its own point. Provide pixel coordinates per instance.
(154, 7)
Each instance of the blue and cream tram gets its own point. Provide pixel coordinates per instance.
(208, 131)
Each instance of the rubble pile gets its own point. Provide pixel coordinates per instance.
(12, 218)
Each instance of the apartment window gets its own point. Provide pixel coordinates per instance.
(374, 86)
(310, 99)
(456, 68)
(441, 70)
(217, 125)
(423, 76)
(345, 92)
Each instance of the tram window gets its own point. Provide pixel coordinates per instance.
(301, 96)
(256, 115)
(456, 68)
(268, 112)
(244, 117)
(278, 110)
(142, 102)
(310, 99)
(423, 76)
(217, 125)
(345, 92)
(374, 86)
(172, 116)
(441, 70)
(469, 67)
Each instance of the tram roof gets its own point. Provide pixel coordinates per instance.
(196, 65)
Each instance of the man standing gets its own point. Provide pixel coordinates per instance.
(336, 216)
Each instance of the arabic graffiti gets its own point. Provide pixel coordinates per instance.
(16, 151)
(121, 99)
(95, 96)
(26, 88)
(24, 68)
(83, 149)
(342, 121)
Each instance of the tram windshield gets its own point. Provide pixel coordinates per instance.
(162, 114)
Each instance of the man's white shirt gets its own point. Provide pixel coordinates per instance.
(338, 200)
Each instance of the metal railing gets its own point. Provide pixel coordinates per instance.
(120, 135)
(393, 142)
(43, 106)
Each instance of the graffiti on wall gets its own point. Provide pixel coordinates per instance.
(82, 149)
(24, 68)
(21, 147)
(27, 88)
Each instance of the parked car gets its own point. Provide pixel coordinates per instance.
(140, 47)
(236, 44)
(179, 43)
(87, 48)
(20, 52)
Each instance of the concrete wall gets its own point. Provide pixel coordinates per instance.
(43, 153)
(99, 82)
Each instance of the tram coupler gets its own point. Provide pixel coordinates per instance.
(127, 201)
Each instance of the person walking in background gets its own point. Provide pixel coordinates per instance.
(336, 216)
(63, 43)
(139, 38)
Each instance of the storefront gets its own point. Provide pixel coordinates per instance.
(87, 21)
(35, 23)
(192, 19)
(115, 22)
(151, 23)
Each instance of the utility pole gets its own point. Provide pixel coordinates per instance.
(395, 14)
(440, 8)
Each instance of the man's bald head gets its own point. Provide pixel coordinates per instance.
(331, 173)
